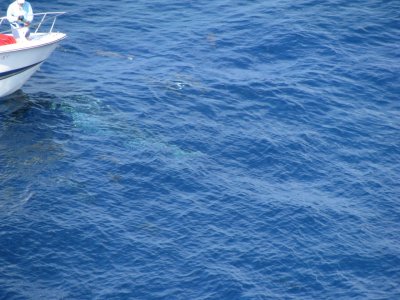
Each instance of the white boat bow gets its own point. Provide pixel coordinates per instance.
(19, 61)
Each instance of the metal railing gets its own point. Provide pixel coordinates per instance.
(45, 18)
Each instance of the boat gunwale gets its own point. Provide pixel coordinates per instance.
(26, 45)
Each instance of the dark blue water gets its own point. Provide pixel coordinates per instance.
(206, 150)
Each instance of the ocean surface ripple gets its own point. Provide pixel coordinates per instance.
(206, 150)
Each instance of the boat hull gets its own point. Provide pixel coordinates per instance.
(18, 62)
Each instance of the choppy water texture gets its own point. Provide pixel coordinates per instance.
(206, 150)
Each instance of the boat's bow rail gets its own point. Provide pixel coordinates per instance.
(46, 23)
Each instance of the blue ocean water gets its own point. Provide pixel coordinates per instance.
(206, 150)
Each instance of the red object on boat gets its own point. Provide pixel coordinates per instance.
(6, 39)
